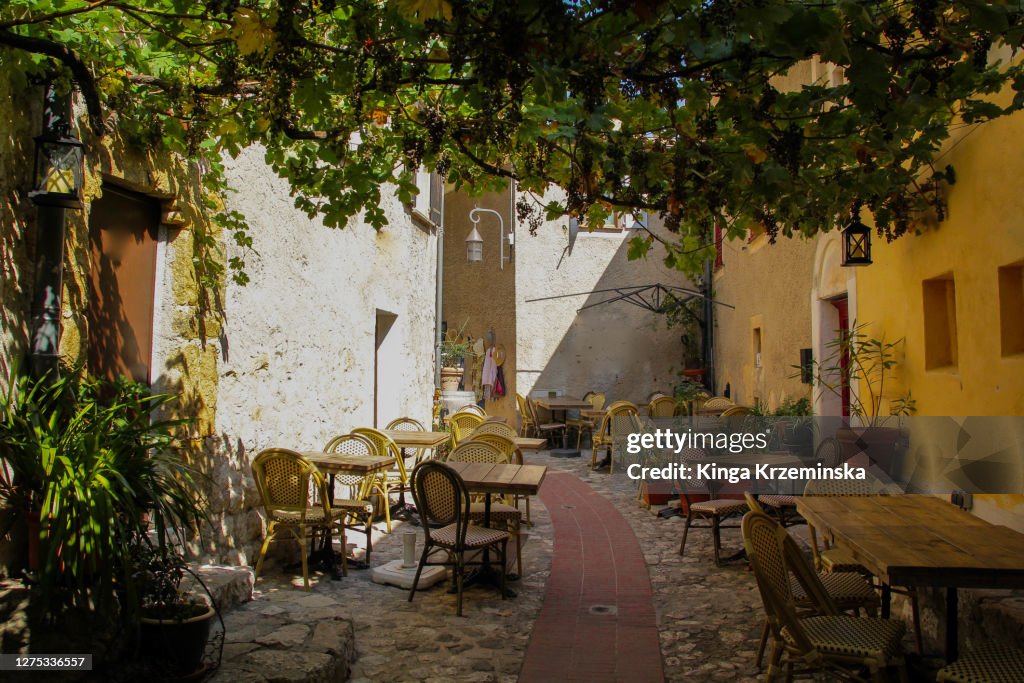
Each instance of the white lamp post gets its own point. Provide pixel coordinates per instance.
(475, 243)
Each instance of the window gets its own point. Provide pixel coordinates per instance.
(940, 347)
(757, 347)
(427, 204)
(617, 222)
(1011, 309)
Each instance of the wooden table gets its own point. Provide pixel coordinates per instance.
(561, 404)
(911, 540)
(554, 403)
(335, 463)
(417, 439)
(523, 480)
(526, 443)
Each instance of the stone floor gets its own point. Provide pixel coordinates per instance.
(708, 618)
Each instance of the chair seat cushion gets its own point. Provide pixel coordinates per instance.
(476, 536)
(840, 560)
(719, 506)
(989, 663)
(500, 512)
(778, 501)
(846, 588)
(873, 639)
(357, 506)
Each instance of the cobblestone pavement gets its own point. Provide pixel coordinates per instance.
(709, 618)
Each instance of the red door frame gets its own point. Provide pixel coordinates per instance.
(842, 308)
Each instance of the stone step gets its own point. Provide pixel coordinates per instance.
(230, 586)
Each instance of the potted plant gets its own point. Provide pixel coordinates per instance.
(688, 391)
(89, 459)
(864, 364)
(798, 434)
(174, 625)
(454, 350)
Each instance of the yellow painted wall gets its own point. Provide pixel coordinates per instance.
(983, 231)
(769, 285)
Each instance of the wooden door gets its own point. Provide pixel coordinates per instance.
(842, 308)
(123, 237)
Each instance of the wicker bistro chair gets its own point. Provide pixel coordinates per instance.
(585, 422)
(544, 429)
(491, 427)
(661, 406)
(849, 590)
(472, 408)
(713, 511)
(507, 446)
(408, 424)
(358, 506)
(397, 478)
(829, 453)
(501, 511)
(462, 425)
(987, 664)
(832, 559)
(296, 501)
(444, 505)
(715, 405)
(825, 640)
(527, 427)
(604, 437)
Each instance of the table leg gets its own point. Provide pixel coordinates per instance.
(886, 600)
(326, 551)
(564, 451)
(487, 572)
(952, 617)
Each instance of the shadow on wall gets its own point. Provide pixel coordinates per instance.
(617, 347)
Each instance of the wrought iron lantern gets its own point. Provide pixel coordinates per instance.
(857, 245)
(58, 170)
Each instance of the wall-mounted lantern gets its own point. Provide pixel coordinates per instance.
(857, 245)
(58, 169)
(475, 243)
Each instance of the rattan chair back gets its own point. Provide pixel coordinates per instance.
(597, 400)
(406, 424)
(384, 445)
(505, 445)
(441, 498)
(753, 503)
(737, 411)
(492, 427)
(477, 451)
(287, 482)
(352, 444)
(526, 422)
(462, 425)
(829, 452)
(661, 406)
(472, 408)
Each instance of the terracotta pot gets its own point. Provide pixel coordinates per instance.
(450, 379)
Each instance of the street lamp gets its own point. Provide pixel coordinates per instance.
(475, 243)
(857, 245)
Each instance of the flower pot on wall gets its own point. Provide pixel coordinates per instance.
(450, 379)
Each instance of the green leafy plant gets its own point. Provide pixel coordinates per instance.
(100, 471)
(865, 364)
(454, 352)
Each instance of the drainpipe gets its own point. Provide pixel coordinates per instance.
(438, 307)
(709, 329)
(44, 333)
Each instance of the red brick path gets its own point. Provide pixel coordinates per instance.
(597, 562)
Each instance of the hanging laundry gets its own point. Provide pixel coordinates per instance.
(490, 373)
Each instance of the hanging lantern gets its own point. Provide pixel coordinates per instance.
(857, 245)
(475, 247)
(58, 170)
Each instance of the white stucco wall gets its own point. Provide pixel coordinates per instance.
(618, 348)
(295, 359)
(299, 367)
